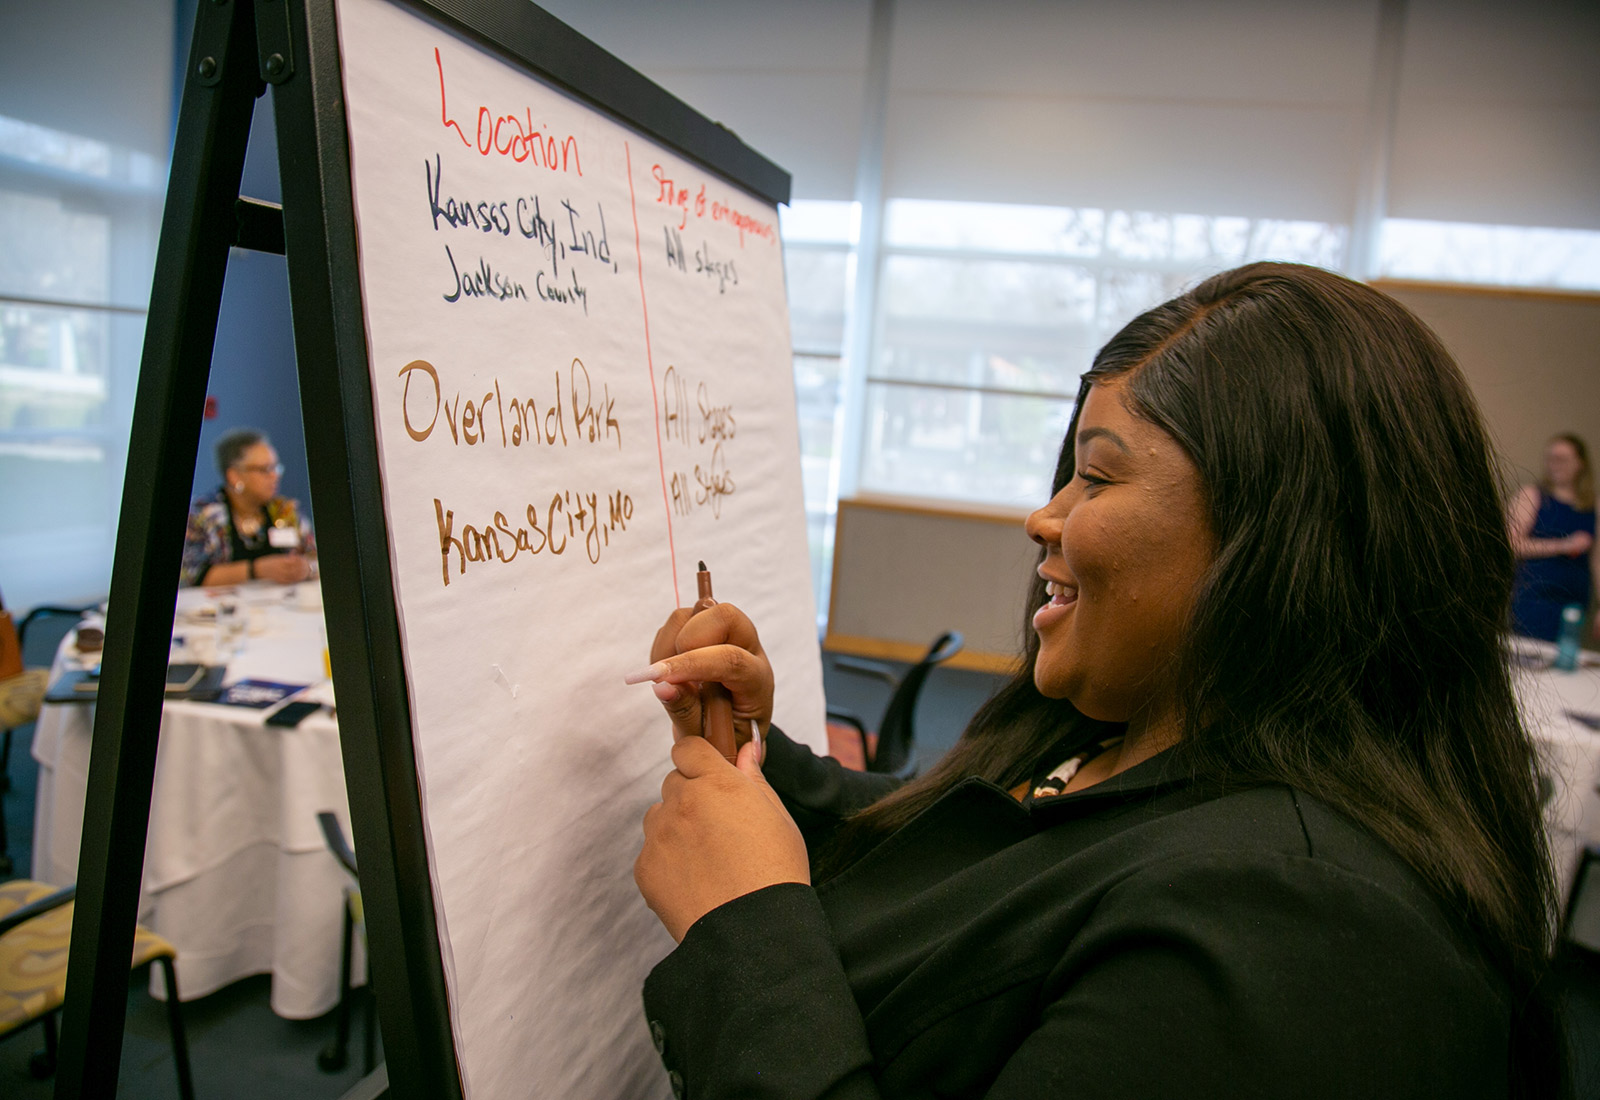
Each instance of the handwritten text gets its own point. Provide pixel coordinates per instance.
(507, 135)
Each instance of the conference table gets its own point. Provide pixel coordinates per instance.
(237, 874)
(1562, 712)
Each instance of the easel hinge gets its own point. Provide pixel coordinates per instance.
(213, 23)
(274, 46)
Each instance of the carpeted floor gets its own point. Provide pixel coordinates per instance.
(237, 1049)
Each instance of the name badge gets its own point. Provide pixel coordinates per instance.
(283, 538)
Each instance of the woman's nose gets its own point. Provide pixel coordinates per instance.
(1044, 527)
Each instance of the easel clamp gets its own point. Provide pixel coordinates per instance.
(260, 226)
(274, 51)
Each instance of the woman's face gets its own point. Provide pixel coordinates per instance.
(1561, 462)
(1127, 541)
(254, 478)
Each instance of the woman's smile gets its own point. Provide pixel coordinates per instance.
(1062, 597)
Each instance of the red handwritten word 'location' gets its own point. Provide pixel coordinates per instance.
(510, 136)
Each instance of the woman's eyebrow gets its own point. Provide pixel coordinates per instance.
(1087, 434)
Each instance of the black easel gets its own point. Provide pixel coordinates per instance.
(239, 47)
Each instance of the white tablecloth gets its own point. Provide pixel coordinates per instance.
(236, 872)
(1569, 753)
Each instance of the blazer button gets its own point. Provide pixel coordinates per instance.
(676, 1080)
(658, 1036)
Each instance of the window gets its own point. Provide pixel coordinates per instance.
(1504, 255)
(79, 219)
(819, 261)
(990, 313)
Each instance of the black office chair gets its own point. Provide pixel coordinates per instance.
(1580, 918)
(890, 750)
(333, 1057)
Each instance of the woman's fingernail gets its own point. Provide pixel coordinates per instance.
(645, 675)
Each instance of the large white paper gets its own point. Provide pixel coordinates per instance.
(581, 368)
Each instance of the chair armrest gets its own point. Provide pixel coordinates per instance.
(847, 718)
(946, 646)
(337, 844)
(37, 908)
(877, 670)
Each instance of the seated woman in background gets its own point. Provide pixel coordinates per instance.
(1552, 533)
(245, 531)
(1257, 816)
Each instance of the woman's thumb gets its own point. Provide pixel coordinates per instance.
(749, 759)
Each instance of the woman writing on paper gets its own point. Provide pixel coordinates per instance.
(1257, 817)
(1552, 531)
(245, 530)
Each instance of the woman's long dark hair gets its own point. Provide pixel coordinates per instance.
(1347, 638)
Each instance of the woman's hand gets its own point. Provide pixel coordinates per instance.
(718, 644)
(283, 568)
(718, 833)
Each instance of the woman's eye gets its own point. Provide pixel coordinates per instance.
(1090, 479)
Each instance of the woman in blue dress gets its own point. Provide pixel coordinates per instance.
(1552, 532)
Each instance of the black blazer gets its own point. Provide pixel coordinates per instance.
(1151, 936)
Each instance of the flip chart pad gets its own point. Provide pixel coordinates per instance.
(580, 359)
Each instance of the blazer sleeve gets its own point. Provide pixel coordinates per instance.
(818, 791)
(754, 1003)
(1195, 979)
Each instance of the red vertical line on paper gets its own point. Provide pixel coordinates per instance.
(649, 358)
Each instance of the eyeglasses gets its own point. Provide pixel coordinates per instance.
(276, 470)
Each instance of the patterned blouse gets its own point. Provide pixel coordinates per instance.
(210, 536)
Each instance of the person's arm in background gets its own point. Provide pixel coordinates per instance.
(225, 573)
(204, 548)
(279, 568)
(287, 568)
(1519, 526)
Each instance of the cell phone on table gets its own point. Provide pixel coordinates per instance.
(292, 714)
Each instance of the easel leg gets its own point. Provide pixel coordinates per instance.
(198, 226)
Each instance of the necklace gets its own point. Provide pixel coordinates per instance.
(247, 526)
(1056, 782)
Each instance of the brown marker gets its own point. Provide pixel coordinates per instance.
(716, 705)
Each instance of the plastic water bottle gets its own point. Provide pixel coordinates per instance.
(230, 628)
(1567, 641)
